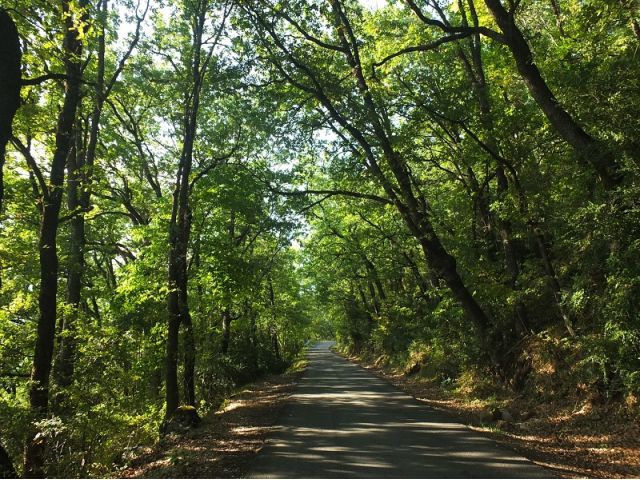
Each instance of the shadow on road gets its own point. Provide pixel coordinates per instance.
(345, 422)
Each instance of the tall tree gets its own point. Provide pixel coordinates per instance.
(393, 176)
(196, 66)
(591, 151)
(52, 192)
(79, 187)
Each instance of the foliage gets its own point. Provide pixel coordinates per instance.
(339, 150)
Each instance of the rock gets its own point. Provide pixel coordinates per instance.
(506, 415)
(526, 415)
(183, 419)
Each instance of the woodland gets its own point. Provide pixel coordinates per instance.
(192, 190)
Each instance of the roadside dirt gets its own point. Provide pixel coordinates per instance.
(573, 440)
(226, 441)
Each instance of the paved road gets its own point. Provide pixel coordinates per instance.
(345, 422)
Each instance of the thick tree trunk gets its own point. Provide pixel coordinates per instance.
(188, 378)
(590, 151)
(6, 466)
(445, 266)
(10, 79)
(65, 362)
(172, 392)
(178, 308)
(47, 301)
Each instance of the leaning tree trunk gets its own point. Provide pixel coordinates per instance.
(590, 151)
(10, 59)
(476, 74)
(47, 301)
(412, 208)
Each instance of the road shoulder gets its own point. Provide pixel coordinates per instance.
(226, 442)
(595, 448)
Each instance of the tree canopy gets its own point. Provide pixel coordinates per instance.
(192, 189)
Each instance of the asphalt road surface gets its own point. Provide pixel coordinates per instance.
(343, 422)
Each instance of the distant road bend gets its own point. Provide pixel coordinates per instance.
(345, 422)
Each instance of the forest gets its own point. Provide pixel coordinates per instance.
(192, 190)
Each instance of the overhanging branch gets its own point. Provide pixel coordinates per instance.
(331, 193)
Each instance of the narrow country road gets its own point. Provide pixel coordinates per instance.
(345, 422)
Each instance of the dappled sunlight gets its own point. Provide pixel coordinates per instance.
(343, 422)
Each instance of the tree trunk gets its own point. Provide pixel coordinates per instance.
(10, 79)
(188, 378)
(179, 233)
(65, 362)
(172, 393)
(6, 466)
(445, 266)
(47, 301)
(273, 331)
(476, 74)
(226, 331)
(590, 151)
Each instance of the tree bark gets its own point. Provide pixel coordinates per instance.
(590, 151)
(179, 233)
(10, 75)
(47, 301)
(6, 465)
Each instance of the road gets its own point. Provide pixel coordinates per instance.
(343, 422)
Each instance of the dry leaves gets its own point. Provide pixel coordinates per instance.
(573, 440)
(225, 443)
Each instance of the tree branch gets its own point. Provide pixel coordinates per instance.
(425, 47)
(487, 32)
(42, 78)
(31, 162)
(331, 193)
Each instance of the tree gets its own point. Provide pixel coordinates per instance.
(398, 184)
(198, 61)
(52, 200)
